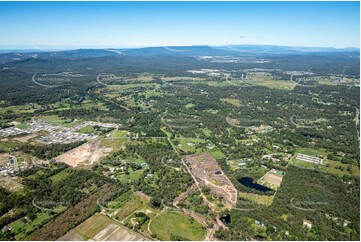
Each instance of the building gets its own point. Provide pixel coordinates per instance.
(307, 224)
(310, 159)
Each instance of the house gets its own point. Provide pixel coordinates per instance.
(6, 228)
(307, 224)
(259, 223)
(149, 175)
(269, 156)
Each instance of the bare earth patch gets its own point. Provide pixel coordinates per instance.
(85, 155)
(205, 168)
(232, 121)
(272, 179)
(25, 138)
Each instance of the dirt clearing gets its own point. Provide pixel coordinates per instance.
(25, 138)
(206, 169)
(272, 179)
(85, 155)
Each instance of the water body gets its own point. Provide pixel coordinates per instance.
(226, 218)
(248, 182)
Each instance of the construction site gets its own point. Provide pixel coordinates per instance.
(207, 171)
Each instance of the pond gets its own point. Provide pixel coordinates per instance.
(226, 218)
(248, 182)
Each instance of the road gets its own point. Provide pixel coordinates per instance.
(357, 121)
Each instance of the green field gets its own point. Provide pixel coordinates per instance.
(216, 153)
(207, 132)
(86, 130)
(331, 167)
(120, 134)
(259, 199)
(334, 167)
(277, 84)
(60, 176)
(234, 102)
(190, 145)
(128, 202)
(311, 152)
(115, 143)
(8, 145)
(56, 120)
(93, 225)
(268, 80)
(21, 227)
(194, 145)
(132, 176)
(27, 108)
(176, 223)
(22, 126)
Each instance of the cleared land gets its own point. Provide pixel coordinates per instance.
(85, 155)
(205, 168)
(272, 179)
(25, 138)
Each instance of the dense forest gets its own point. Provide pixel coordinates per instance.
(318, 197)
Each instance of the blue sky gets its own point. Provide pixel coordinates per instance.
(135, 24)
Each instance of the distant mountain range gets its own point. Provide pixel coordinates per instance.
(234, 50)
(230, 50)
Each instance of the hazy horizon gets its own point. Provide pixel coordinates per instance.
(64, 48)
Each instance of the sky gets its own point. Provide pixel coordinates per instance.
(38, 25)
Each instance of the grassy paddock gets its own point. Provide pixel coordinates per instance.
(176, 223)
(93, 225)
(259, 199)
